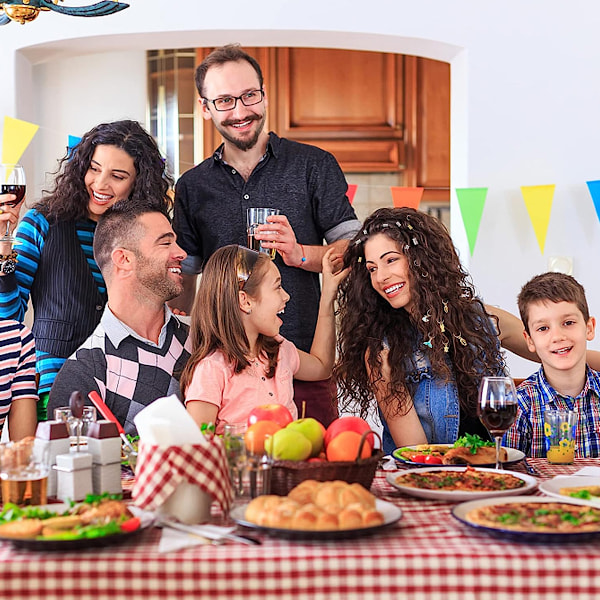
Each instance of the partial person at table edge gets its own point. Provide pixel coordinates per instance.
(18, 389)
(253, 168)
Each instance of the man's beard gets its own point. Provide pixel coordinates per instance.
(156, 282)
(245, 144)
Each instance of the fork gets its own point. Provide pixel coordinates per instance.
(530, 468)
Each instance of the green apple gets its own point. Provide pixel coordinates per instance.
(311, 429)
(288, 444)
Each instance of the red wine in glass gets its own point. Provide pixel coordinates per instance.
(12, 181)
(497, 408)
(11, 188)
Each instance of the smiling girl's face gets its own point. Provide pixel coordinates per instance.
(267, 304)
(389, 270)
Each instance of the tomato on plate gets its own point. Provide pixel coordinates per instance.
(130, 525)
(420, 458)
(430, 459)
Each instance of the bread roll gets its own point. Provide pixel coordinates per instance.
(315, 505)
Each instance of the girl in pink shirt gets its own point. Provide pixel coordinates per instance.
(239, 360)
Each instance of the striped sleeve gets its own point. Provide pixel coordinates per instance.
(15, 289)
(23, 384)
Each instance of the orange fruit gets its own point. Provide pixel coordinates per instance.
(257, 433)
(344, 446)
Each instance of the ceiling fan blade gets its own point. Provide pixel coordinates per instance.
(93, 10)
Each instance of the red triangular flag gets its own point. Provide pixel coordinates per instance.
(351, 191)
(407, 196)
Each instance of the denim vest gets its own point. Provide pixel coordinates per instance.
(436, 403)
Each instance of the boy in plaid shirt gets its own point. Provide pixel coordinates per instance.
(558, 326)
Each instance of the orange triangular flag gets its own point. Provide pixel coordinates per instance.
(407, 196)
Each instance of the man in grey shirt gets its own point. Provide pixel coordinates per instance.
(254, 168)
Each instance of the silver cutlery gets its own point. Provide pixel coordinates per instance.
(211, 532)
(530, 468)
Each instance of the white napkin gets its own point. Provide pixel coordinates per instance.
(171, 540)
(166, 422)
(589, 472)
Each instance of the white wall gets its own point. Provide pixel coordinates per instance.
(524, 98)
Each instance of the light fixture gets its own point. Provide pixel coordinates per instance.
(23, 11)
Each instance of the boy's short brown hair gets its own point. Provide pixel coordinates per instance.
(551, 287)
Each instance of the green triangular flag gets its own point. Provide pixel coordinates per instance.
(471, 202)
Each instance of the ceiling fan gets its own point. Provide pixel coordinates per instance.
(23, 11)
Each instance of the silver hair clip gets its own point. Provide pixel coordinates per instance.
(425, 318)
(365, 232)
(406, 248)
(424, 274)
(358, 241)
(415, 241)
(398, 224)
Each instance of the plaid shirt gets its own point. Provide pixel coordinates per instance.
(535, 394)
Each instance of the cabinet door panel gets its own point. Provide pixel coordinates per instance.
(339, 93)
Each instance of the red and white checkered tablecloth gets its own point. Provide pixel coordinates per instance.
(428, 555)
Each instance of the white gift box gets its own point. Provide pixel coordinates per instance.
(104, 451)
(107, 478)
(74, 474)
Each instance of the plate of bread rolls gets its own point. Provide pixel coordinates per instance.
(319, 510)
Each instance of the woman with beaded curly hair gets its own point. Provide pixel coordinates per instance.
(53, 255)
(413, 333)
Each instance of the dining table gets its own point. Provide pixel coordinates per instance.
(427, 554)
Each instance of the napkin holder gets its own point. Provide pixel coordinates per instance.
(181, 482)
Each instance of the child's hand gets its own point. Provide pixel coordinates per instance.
(333, 275)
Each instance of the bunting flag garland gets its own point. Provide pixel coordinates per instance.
(407, 196)
(73, 141)
(351, 191)
(16, 137)
(594, 187)
(538, 200)
(471, 202)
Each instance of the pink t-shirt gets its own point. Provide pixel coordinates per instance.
(236, 395)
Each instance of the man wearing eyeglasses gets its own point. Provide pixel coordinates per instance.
(253, 168)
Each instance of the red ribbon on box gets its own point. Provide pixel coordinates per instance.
(159, 470)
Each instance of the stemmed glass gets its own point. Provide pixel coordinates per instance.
(12, 181)
(497, 408)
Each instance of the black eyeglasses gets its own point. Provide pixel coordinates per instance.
(230, 102)
(246, 261)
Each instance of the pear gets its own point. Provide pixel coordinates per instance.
(287, 444)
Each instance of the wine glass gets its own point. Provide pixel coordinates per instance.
(497, 408)
(12, 181)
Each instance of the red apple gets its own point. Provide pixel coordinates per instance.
(270, 412)
(355, 424)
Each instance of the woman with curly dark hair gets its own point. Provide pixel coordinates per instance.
(413, 333)
(54, 257)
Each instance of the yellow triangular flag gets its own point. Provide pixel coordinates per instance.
(538, 200)
(16, 137)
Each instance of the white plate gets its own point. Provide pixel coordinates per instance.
(514, 456)
(552, 488)
(460, 512)
(391, 514)
(458, 495)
